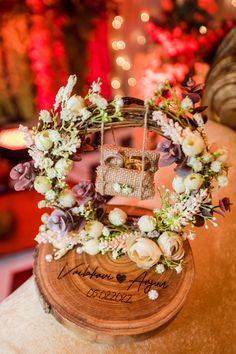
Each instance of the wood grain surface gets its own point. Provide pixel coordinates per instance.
(106, 300)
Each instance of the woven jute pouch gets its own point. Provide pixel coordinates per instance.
(140, 184)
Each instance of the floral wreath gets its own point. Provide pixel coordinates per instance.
(79, 220)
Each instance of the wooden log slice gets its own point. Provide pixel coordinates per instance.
(106, 300)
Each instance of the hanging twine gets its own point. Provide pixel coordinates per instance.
(143, 150)
(102, 158)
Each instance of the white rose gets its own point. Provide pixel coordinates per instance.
(42, 141)
(94, 228)
(117, 217)
(222, 181)
(171, 245)
(221, 155)
(144, 252)
(193, 144)
(66, 199)
(178, 184)
(147, 223)
(215, 166)
(193, 181)
(42, 184)
(63, 166)
(91, 247)
(75, 103)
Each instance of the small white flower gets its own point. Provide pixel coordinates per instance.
(186, 103)
(178, 184)
(50, 195)
(116, 187)
(85, 114)
(215, 166)
(153, 294)
(48, 258)
(195, 164)
(160, 268)
(54, 135)
(79, 250)
(75, 210)
(99, 101)
(45, 116)
(193, 181)
(63, 167)
(119, 103)
(82, 234)
(198, 119)
(42, 228)
(47, 163)
(157, 115)
(42, 184)
(117, 217)
(51, 173)
(44, 218)
(191, 236)
(147, 223)
(96, 86)
(207, 157)
(222, 181)
(115, 254)
(193, 144)
(126, 190)
(179, 269)
(105, 231)
(42, 204)
(221, 155)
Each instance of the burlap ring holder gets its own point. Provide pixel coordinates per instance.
(126, 171)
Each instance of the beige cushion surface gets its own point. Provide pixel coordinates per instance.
(206, 324)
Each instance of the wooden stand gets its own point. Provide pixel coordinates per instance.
(106, 300)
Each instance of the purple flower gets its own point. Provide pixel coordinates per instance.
(60, 221)
(85, 191)
(23, 176)
(173, 154)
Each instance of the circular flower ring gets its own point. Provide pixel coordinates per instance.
(79, 219)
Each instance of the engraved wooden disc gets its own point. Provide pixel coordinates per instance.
(106, 300)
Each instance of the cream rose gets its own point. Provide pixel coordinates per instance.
(42, 184)
(91, 247)
(66, 199)
(193, 145)
(42, 141)
(171, 245)
(144, 252)
(117, 217)
(178, 184)
(147, 223)
(94, 228)
(75, 103)
(193, 181)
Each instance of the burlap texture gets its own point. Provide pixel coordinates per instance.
(132, 178)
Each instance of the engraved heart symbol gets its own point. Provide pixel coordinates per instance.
(121, 278)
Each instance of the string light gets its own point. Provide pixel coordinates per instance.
(141, 40)
(132, 81)
(144, 17)
(203, 29)
(120, 61)
(126, 65)
(233, 2)
(114, 45)
(115, 83)
(119, 18)
(116, 24)
(121, 45)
